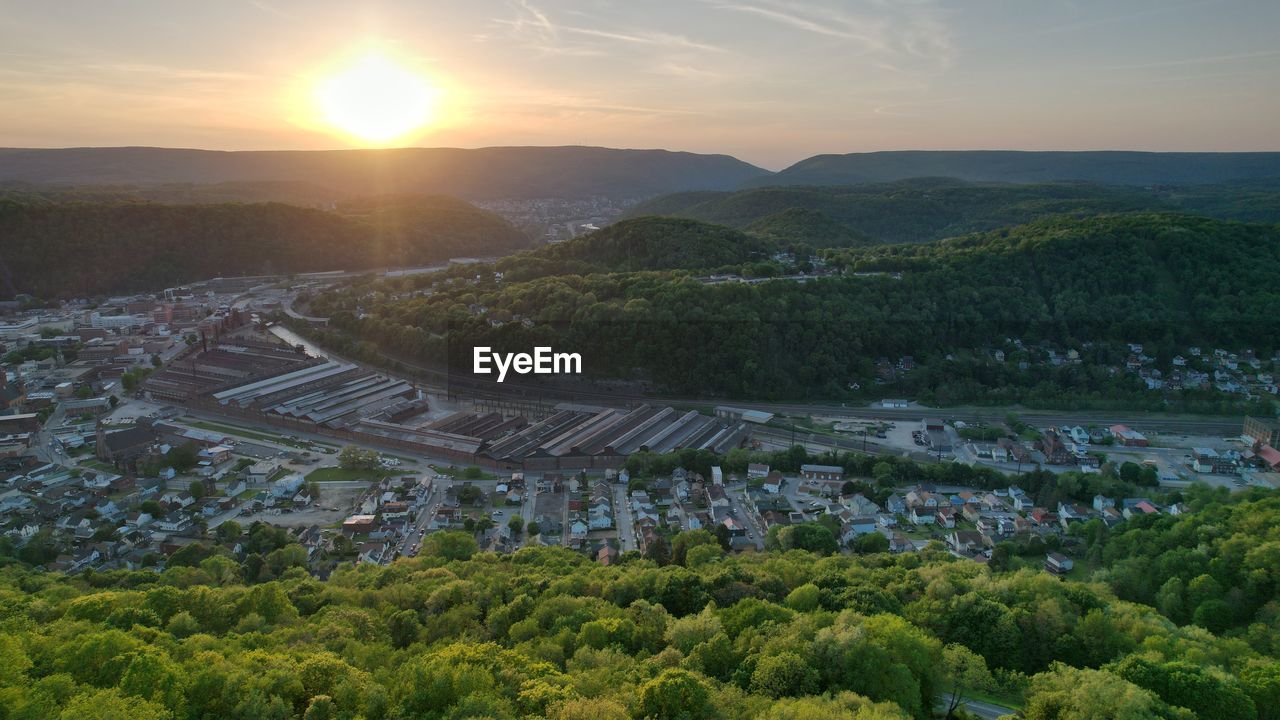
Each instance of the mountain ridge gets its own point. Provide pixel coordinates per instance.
(1113, 167)
(518, 172)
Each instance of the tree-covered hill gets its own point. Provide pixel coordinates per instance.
(474, 174)
(806, 226)
(647, 243)
(62, 249)
(1110, 167)
(927, 209)
(1139, 275)
(294, 193)
(1092, 284)
(1179, 622)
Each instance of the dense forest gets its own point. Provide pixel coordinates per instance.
(1173, 618)
(1092, 284)
(294, 193)
(1109, 167)
(81, 249)
(927, 209)
(647, 243)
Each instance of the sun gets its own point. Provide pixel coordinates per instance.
(376, 100)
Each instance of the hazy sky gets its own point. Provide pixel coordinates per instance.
(770, 81)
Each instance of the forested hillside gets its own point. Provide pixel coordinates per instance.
(927, 209)
(648, 243)
(1180, 622)
(1092, 284)
(479, 174)
(66, 249)
(1110, 167)
(295, 193)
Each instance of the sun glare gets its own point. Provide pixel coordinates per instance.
(376, 100)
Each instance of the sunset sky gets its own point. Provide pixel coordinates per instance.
(770, 81)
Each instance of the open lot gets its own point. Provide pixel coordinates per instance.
(340, 495)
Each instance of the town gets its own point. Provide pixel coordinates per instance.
(142, 430)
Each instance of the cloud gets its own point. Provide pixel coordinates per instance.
(536, 30)
(1121, 17)
(1203, 60)
(892, 32)
(646, 38)
(163, 72)
(820, 21)
(270, 9)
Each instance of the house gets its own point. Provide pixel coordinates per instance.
(922, 499)
(1016, 451)
(821, 472)
(1020, 500)
(1058, 564)
(860, 505)
(757, 471)
(287, 486)
(945, 517)
(1269, 457)
(734, 526)
(607, 555)
(174, 522)
(1055, 451)
(855, 527)
(215, 455)
(716, 496)
(1041, 516)
(395, 510)
(1139, 506)
(895, 503)
(1068, 513)
(964, 542)
(773, 482)
(921, 515)
(1101, 502)
(1208, 460)
(371, 552)
(599, 518)
(897, 542)
(359, 524)
(1128, 437)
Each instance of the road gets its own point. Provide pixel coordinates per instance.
(622, 517)
(414, 532)
(737, 500)
(984, 710)
(529, 508)
(287, 305)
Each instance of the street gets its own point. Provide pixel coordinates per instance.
(622, 518)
